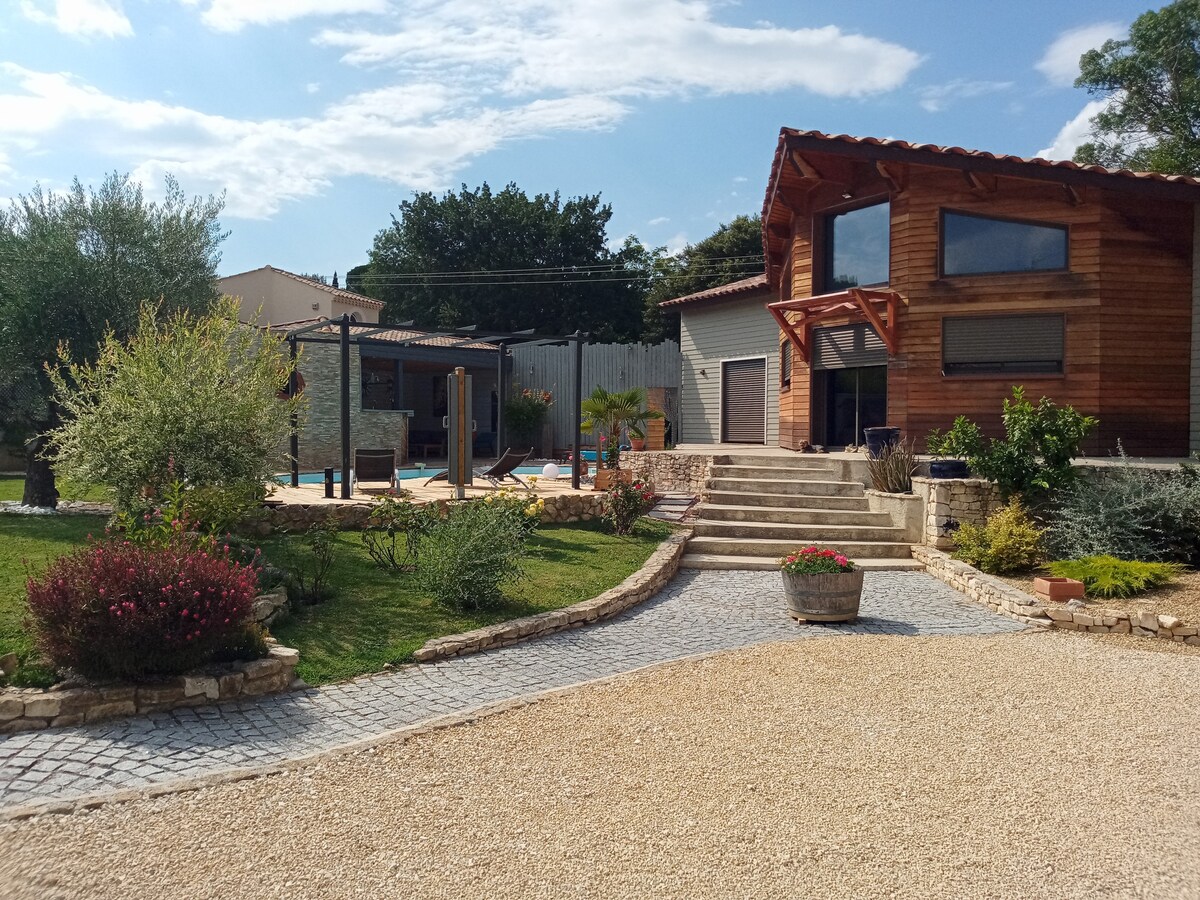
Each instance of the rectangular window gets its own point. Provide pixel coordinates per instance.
(1000, 345)
(785, 364)
(857, 247)
(978, 245)
(380, 383)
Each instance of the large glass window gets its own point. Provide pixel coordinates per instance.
(380, 383)
(857, 246)
(977, 245)
(1002, 345)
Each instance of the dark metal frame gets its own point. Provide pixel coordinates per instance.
(469, 334)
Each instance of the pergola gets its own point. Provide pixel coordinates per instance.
(854, 302)
(468, 334)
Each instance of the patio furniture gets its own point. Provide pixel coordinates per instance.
(503, 468)
(375, 470)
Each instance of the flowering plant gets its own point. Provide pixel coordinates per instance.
(624, 504)
(814, 561)
(525, 509)
(525, 414)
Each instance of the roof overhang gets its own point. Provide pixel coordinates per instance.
(796, 318)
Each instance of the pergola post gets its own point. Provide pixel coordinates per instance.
(577, 413)
(345, 347)
(294, 439)
(501, 397)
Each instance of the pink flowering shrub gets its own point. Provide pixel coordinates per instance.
(116, 609)
(623, 504)
(812, 561)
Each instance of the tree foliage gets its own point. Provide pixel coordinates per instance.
(76, 265)
(506, 261)
(188, 400)
(1152, 82)
(731, 253)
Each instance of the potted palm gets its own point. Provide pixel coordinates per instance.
(821, 585)
(607, 414)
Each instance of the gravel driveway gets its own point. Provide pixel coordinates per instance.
(1016, 765)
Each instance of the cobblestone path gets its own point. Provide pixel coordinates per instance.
(697, 613)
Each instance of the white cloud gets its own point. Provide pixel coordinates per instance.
(1075, 132)
(622, 48)
(312, 87)
(937, 97)
(234, 15)
(740, 179)
(659, 220)
(676, 243)
(80, 18)
(1060, 62)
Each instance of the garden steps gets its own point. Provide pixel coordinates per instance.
(760, 508)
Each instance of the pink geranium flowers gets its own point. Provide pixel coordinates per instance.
(814, 561)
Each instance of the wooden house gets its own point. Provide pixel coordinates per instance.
(912, 283)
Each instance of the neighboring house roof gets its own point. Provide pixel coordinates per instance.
(348, 297)
(391, 335)
(746, 286)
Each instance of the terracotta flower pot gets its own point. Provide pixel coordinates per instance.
(824, 596)
(1059, 590)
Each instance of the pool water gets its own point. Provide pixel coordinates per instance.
(405, 474)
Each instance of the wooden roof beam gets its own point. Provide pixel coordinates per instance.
(978, 183)
(1074, 194)
(895, 180)
(805, 168)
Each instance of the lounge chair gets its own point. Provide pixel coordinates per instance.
(375, 470)
(503, 468)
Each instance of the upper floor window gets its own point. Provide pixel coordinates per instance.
(857, 247)
(979, 245)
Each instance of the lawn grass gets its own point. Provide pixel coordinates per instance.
(374, 618)
(12, 487)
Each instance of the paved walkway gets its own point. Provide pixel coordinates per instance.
(697, 613)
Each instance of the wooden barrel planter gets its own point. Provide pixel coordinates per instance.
(823, 597)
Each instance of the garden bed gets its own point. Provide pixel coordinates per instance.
(1180, 598)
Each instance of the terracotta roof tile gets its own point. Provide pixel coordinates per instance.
(733, 289)
(345, 296)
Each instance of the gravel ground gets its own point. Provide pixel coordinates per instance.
(1022, 765)
(1180, 598)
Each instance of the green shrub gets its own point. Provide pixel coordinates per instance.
(469, 553)
(310, 561)
(1010, 542)
(624, 504)
(1034, 458)
(892, 470)
(525, 414)
(392, 536)
(1131, 513)
(1107, 576)
(190, 399)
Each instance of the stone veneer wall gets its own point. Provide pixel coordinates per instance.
(30, 709)
(969, 500)
(1001, 597)
(670, 470)
(641, 585)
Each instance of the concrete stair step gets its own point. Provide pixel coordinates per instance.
(727, 562)
(796, 461)
(770, 473)
(775, 548)
(769, 500)
(793, 515)
(776, 486)
(805, 534)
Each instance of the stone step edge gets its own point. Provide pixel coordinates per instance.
(716, 561)
(637, 588)
(1003, 598)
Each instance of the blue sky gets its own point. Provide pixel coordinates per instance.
(317, 117)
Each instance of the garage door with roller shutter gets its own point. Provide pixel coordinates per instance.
(744, 401)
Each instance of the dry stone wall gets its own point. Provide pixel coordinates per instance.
(954, 500)
(671, 470)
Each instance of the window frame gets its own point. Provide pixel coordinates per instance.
(1004, 373)
(823, 227)
(785, 364)
(1064, 227)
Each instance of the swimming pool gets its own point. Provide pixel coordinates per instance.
(405, 474)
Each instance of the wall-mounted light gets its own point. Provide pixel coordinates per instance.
(846, 195)
(316, 304)
(704, 373)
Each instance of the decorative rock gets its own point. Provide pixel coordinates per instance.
(109, 710)
(198, 685)
(230, 685)
(11, 707)
(1169, 622)
(8, 663)
(45, 707)
(259, 668)
(1147, 621)
(286, 655)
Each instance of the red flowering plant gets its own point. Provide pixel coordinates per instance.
(814, 561)
(623, 504)
(119, 609)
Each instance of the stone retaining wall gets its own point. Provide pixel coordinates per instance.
(641, 585)
(1001, 597)
(28, 709)
(670, 470)
(954, 500)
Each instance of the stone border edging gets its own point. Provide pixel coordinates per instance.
(1001, 597)
(641, 585)
(31, 709)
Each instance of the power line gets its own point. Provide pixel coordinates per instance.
(749, 258)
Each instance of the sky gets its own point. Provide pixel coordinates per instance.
(317, 118)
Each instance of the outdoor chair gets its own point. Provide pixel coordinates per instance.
(503, 468)
(375, 470)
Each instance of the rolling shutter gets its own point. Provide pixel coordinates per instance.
(847, 347)
(1002, 344)
(744, 401)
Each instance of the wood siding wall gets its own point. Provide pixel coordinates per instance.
(1126, 299)
(709, 333)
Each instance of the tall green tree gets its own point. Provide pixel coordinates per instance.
(1152, 83)
(506, 261)
(74, 266)
(730, 253)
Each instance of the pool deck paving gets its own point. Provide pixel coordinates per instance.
(698, 613)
